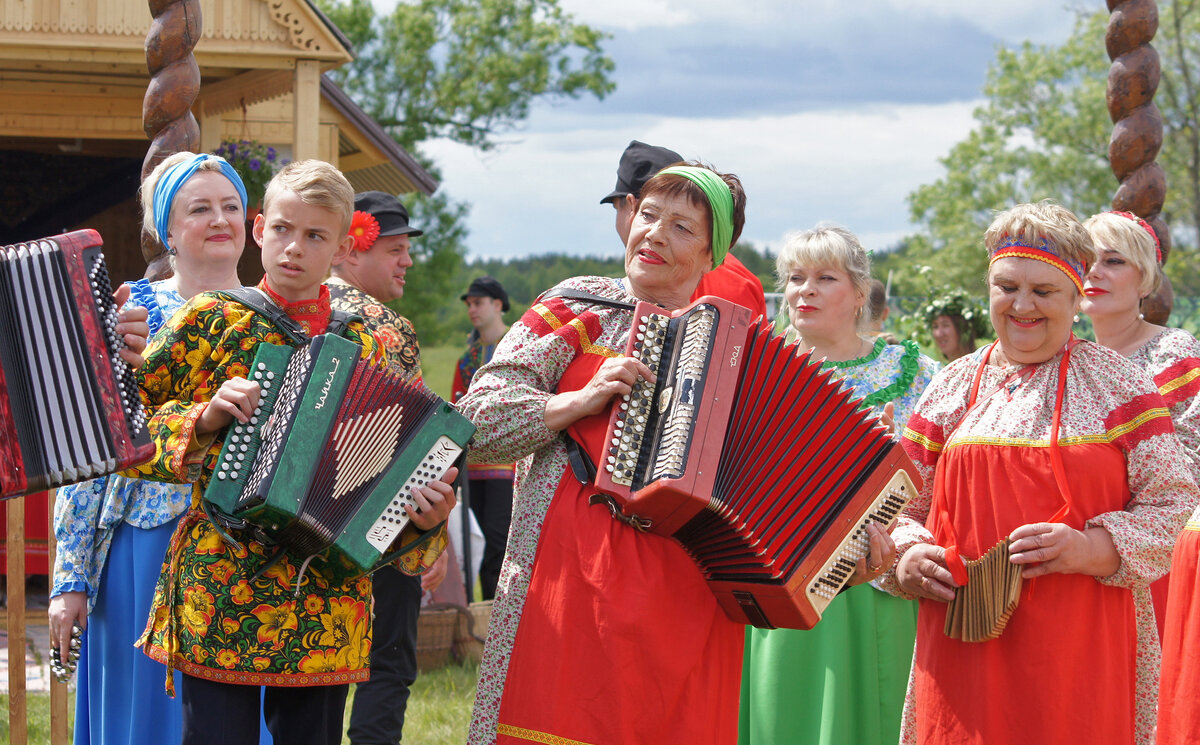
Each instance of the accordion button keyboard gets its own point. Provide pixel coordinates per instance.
(394, 518)
(840, 566)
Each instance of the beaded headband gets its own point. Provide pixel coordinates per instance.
(1145, 226)
(1042, 250)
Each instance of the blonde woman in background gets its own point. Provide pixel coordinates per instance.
(843, 681)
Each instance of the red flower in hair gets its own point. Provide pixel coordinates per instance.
(364, 228)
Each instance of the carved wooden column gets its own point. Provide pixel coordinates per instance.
(167, 108)
(1137, 126)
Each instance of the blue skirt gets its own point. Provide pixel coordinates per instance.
(121, 698)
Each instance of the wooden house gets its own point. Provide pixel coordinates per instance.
(73, 76)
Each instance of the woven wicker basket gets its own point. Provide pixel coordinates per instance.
(447, 631)
(436, 629)
(468, 643)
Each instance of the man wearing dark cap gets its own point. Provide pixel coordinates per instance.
(491, 484)
(372, 274)
(639, 163)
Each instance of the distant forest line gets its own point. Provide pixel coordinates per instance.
(526, 278)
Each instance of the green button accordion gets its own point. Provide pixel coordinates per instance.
(333, 451)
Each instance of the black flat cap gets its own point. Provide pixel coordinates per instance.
(638, 165)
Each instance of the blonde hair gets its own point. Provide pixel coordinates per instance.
(316, 183)
(1045, 219)
(1130, 240)
(146, 191)
(827, 244)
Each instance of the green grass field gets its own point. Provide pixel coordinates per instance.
(439, 709)
(437, 367)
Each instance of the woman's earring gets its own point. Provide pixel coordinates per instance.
(171, 250)
(1076, 318)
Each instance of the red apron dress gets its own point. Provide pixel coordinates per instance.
(620, 641)
(1179, 692)
(1063, 670)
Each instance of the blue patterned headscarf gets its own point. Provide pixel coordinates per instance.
(171, 181)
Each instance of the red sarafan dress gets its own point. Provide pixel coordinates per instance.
(733, 281)
(1178, 712)
(600, 634)
(1172, 358)
(1065, 668)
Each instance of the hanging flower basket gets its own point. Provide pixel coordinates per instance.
(255, 163)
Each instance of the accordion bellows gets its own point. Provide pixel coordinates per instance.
(333, 451)
(753, 458)
(69, 405)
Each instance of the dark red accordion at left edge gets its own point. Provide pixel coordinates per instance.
(69, 405)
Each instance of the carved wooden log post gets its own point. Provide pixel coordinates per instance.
(1137, 126)
(167, 108)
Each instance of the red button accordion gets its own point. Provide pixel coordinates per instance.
(753, 458)
(69, 405)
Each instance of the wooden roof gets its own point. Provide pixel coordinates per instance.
(107, 36)
(74, 71)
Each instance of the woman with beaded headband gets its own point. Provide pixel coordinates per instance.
(844, 680)
(115, 530)
(1128, 271)
(1065, 448)
(601, 633)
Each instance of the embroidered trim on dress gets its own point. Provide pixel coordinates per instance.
(535, 736)
(910, 366)
(585, 339)
(922, 440)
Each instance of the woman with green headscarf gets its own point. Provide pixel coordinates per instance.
(600, 633)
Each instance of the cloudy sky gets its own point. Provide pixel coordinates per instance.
(826, 109)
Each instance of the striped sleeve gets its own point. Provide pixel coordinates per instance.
(1179, 382)
(1143, 417)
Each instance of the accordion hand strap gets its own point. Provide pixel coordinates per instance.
(257, 301)
(586, 297)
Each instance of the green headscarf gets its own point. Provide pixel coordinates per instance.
(720, 203)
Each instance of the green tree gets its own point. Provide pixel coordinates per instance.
(467, 70)
(1043, 133)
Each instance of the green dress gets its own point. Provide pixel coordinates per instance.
(843, 682)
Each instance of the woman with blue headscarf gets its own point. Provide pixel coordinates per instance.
(114, 531)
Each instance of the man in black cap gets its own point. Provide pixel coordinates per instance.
(639, 163)
(374, 273)
(491, 485)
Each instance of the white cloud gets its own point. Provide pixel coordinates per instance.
(1012, 22)
(1040, 21)
(851, 166)
(630, 15)
(840, 160)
